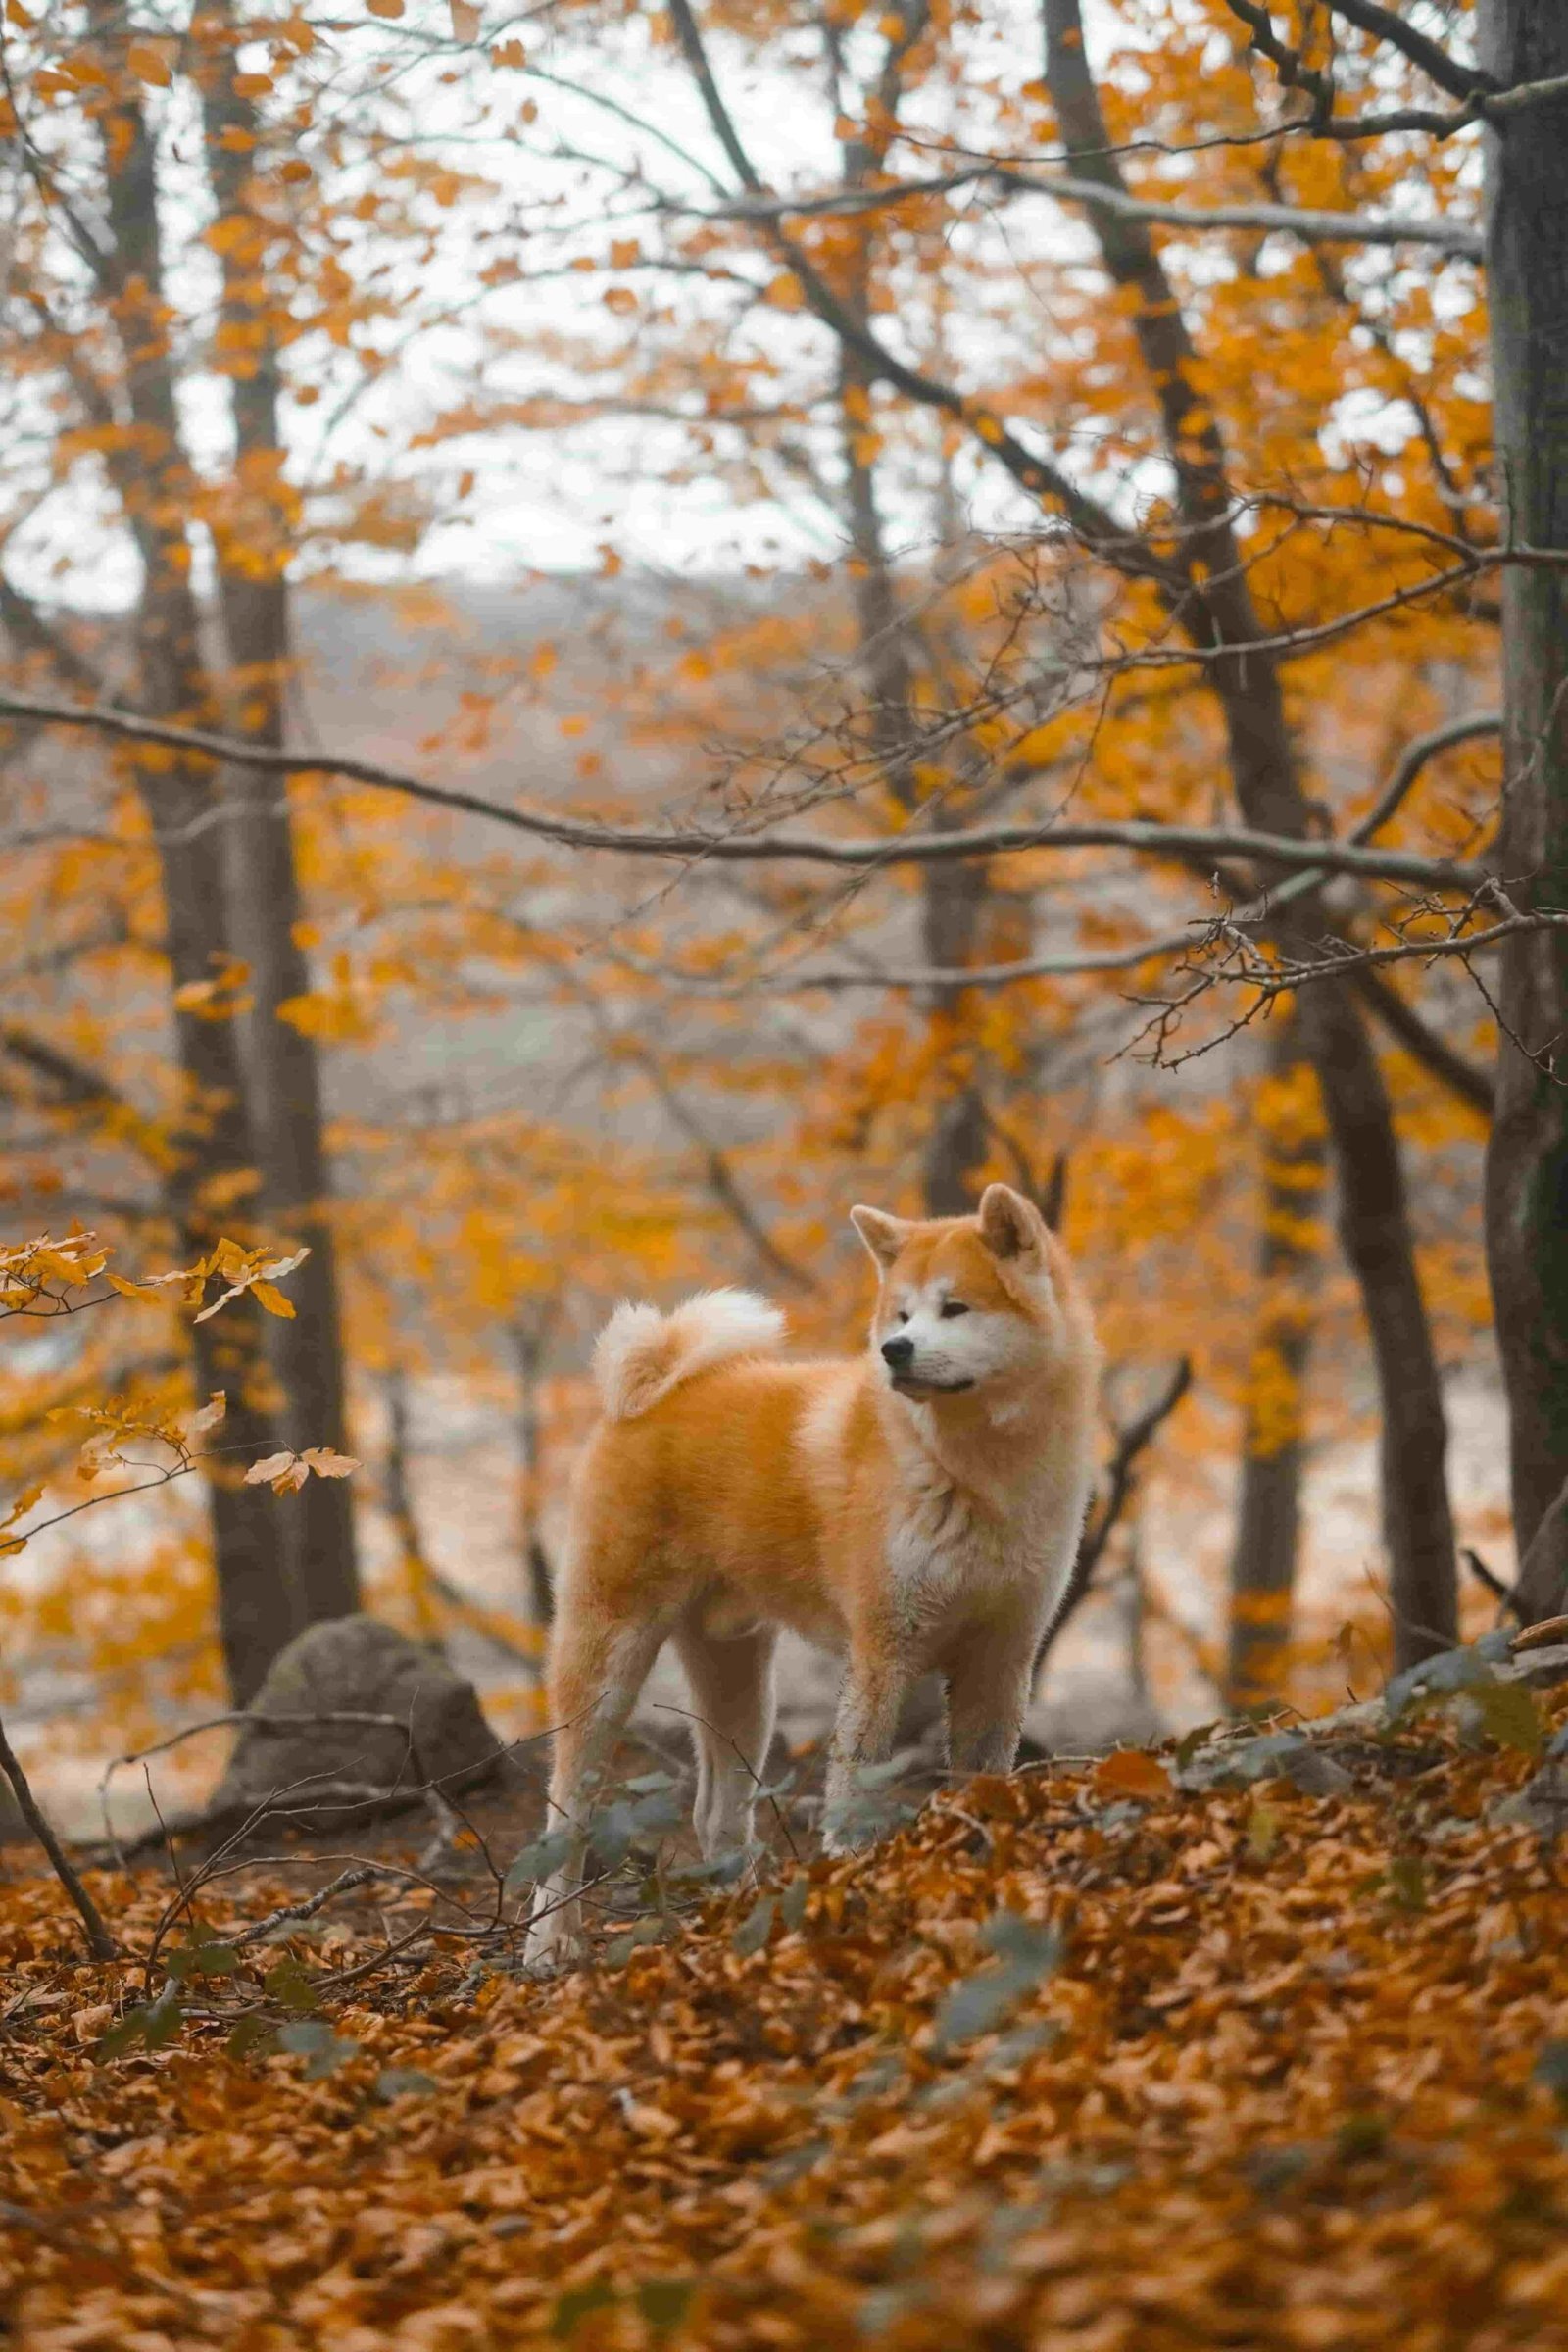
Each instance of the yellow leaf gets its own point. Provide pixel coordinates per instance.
(464, 20)
(24, 1502)
(267, 1295)
(384, 8)
(135, 1289)
(212, 1412)
(149, 64)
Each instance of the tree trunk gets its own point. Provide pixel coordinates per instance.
(1527, 1161)
(1263, 1558)
(530, 1338)
(953, 898)
(1217, 613)
(264, 896)
(398, 1499)
(212, 1165)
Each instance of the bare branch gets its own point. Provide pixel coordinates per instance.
(1454, 80)
(1481, 100)
(1311, 226)
(899, 849)
(1413, 759)
(1131, 1445)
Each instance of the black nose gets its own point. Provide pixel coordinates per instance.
(896, 1353)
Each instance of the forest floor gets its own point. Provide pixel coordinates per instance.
(1245, 2047)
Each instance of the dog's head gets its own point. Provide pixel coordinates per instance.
(967, 1303)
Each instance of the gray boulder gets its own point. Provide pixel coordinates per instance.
(425, 1727)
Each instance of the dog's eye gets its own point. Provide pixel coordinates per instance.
(901, 1316)
(951, 1308)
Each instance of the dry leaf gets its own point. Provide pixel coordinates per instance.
(1131, 1772)
(328, 1464)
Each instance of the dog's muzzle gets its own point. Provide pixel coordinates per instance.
(899, 1356)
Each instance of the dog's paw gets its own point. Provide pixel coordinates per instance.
(543, 1967)
(554, 1956)
(555, 1944)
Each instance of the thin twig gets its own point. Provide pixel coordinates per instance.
(345, 1882)
(1130, 1444)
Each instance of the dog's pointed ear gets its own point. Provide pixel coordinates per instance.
(1011, 1226)
(882, 1235)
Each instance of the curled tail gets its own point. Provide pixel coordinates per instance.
(639, 1356)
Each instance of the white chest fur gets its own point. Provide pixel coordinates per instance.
(956, 1547)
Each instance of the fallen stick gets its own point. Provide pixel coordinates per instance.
(100, 1944)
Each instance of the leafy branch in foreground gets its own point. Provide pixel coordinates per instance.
(40, 1279)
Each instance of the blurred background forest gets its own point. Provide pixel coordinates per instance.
(943, 424)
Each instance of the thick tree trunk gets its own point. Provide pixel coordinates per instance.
(1527, 1162)
(1268, 1516)
(213, 1170)
(264, 896)
(1216, 610)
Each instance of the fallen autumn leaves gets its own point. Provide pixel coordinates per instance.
(1274, 2076)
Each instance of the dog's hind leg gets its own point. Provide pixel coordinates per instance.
(597, 1668)
(731, 1682)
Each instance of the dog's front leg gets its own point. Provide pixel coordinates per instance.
(990, 1683)
(863, 1732)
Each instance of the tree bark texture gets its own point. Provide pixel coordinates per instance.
(1263, 1556)
(1215, 609)
(1527, 1161)
(264, 896)
(211, 1175)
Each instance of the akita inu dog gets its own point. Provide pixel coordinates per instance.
(917, 1507)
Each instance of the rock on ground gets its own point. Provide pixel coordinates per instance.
(431, 1728)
